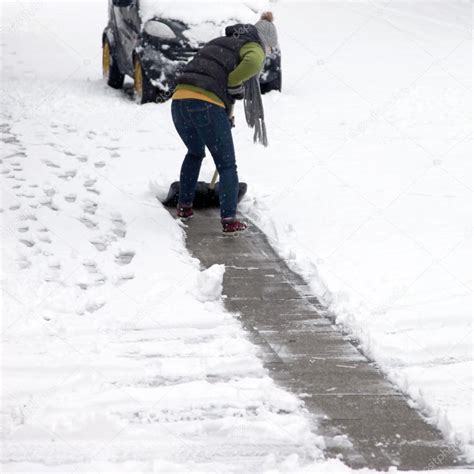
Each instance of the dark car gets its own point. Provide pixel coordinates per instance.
(153, 49)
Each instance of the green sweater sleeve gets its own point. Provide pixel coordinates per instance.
(252, 58)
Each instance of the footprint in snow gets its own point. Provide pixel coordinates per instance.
(44, 238)
(124, 257)
(27, 195)
(28, 242)
(119, 232)
(120, 227)
(90, 224)
(14, 207)
(70, 197)
(68, 174)
(28, 217)
(90, 266)
(102, 242)
(110, 148)
(117, 219)
(53, 274)
(55, 265)
(18, 154)
(24, 263)
(23, 229)
(88, 183)
(89, 207)
(81, 158)
(97, 281)
(99, 164)
(51, 164)
(49, 191)
(48, 202)
(94, 306)
(120, 280)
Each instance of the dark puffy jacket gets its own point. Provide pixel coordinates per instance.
(212, 64)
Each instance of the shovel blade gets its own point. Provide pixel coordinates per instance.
(204, 196)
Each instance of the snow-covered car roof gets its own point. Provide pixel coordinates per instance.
(206, 20)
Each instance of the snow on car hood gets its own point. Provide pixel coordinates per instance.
(206, 20)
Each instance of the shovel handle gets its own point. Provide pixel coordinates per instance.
(212, 184)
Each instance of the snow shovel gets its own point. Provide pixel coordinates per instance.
(206, 195)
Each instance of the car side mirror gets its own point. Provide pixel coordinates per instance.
(122, 3)
(158, 29)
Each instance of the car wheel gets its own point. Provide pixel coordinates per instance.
(110, 70)
(144, 89)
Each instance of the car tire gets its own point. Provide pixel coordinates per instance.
(144, 89)
(110, 70)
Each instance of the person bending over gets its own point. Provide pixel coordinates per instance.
(202, 104)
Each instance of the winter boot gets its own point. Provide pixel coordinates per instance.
(184, 212)
(232, 226)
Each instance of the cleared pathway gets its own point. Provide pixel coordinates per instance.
(364, 418)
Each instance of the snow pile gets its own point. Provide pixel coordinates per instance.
(206, 20)
(209, 283)
(196, 12)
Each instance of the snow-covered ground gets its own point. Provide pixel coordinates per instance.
(366, 187)
(116, 346)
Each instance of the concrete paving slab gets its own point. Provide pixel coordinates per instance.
(347, 396)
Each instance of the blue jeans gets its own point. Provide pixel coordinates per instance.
(201, 124)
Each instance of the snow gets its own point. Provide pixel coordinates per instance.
(206, 20)
(209, 283)
(365, 187)
(118, 354)
(195, 12)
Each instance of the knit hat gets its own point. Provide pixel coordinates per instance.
(267, 31)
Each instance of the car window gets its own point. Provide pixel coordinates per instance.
(131, 17)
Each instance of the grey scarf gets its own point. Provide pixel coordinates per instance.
(253, 107)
